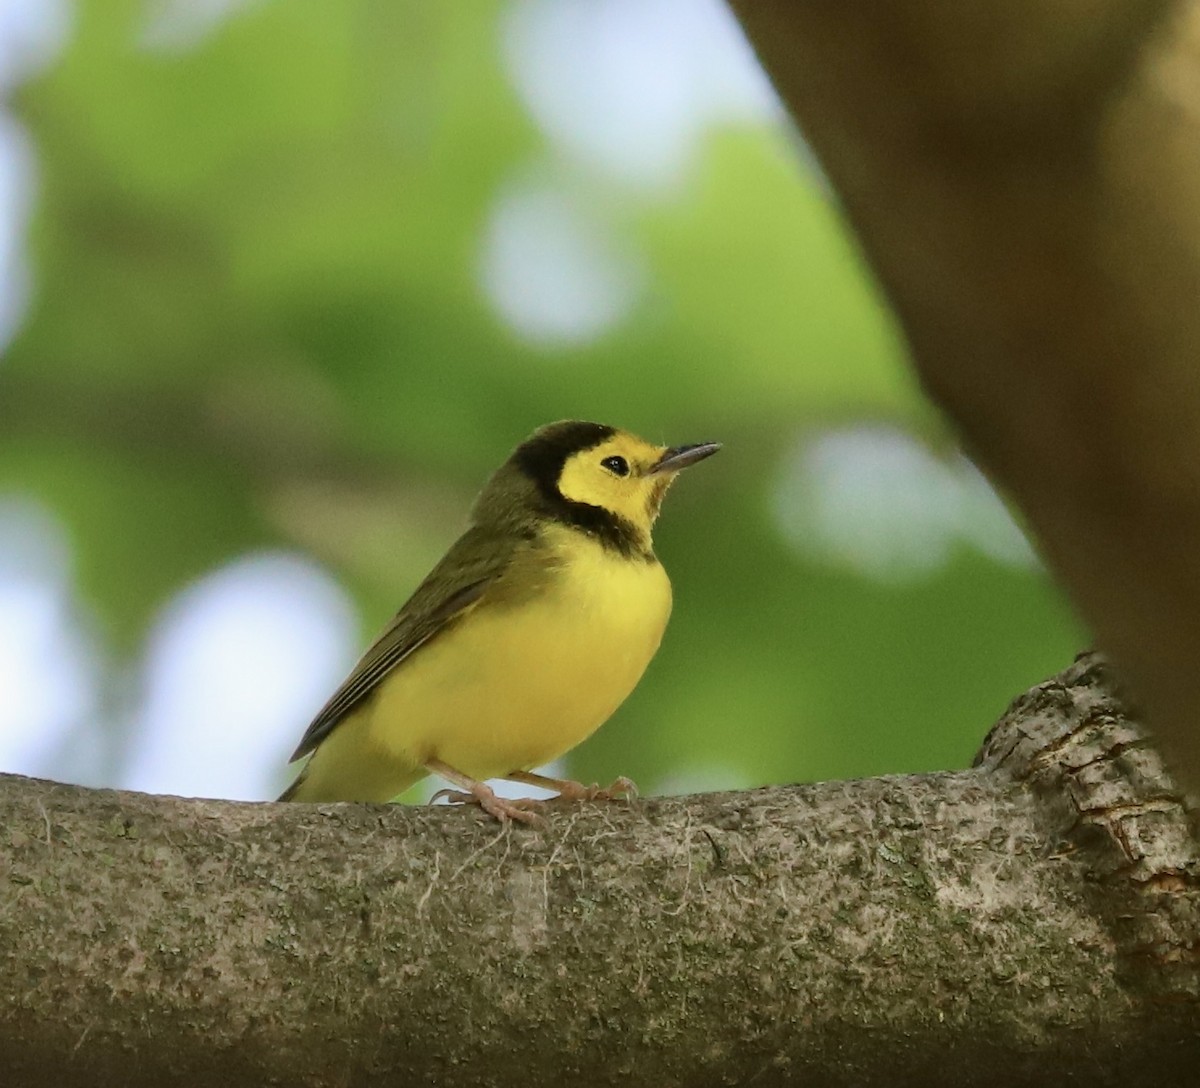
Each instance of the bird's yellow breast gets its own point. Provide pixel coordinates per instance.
(513, 686)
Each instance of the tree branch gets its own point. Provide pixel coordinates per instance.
(1031, 919)
(1024, 179)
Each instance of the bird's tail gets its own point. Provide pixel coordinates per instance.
(378, 789)
(290, 793)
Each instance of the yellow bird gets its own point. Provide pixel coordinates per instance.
(526, 637)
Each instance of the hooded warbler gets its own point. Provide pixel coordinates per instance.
(527, 635)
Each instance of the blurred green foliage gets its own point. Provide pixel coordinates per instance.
(257, 321)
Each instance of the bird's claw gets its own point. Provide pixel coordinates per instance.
(577, 791)
(500, 808)
(525, 809)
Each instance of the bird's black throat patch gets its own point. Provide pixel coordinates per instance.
(541, 459)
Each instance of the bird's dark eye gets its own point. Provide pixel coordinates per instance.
(618, 466)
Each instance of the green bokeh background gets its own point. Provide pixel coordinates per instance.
(256, 322)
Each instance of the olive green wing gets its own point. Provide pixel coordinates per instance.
(475, 563)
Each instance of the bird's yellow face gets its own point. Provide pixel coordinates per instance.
(604, 482)
(619, 475)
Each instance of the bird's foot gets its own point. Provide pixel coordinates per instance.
(473, 792)
(501, 808)
(576, 791)
(570, 790)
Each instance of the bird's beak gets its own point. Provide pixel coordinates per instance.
(677, 457)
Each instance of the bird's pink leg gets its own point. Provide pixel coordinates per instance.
(570, 790)
(473, 792)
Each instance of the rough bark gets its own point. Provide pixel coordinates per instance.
(1024, 178)
(1030, 920)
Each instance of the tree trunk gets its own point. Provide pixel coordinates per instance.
(1024, 178)
(1031, 920)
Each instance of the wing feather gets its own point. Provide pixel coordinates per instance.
(473, 565)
